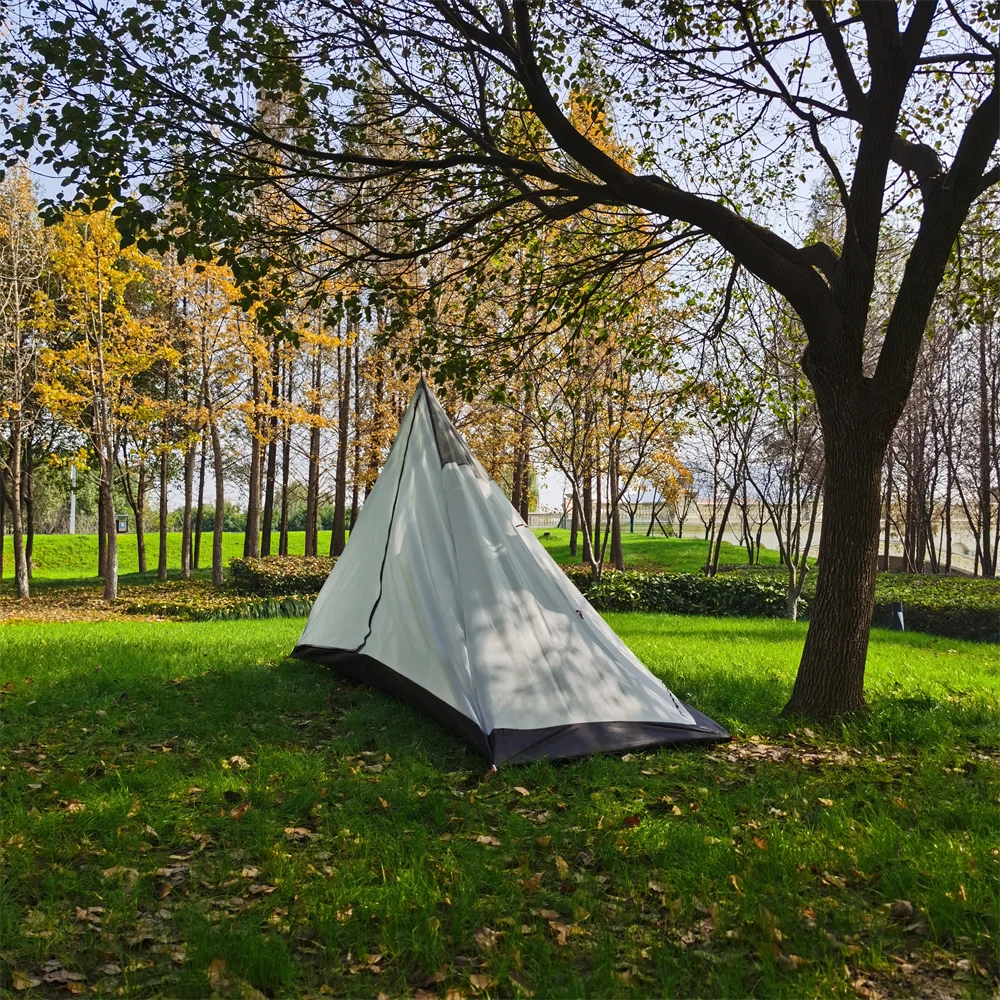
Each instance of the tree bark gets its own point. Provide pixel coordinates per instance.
(312, 486)
(356, 463)
(831, 674)
(189, 459)
(200, 509)
(574, 523)
(29, 507)
(343, 443)
(251, 531)
(161, 561)
(286, 457)
(3, 520)
(985, 464)
(111, 557)
(218, 575)
(617, 554)
(21, 581)
(102, 531)
(267, 516)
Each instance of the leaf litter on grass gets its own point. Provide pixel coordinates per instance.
(337, 874)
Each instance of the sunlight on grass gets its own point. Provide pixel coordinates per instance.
(153, 769)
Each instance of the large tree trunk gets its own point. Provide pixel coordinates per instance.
(343, 443)
(831, 675)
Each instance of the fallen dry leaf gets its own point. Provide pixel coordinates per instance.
(562, 867)
(240, 811)
(521, 790)
(486, 939)
(543, 841)
(761, 843)
(485, 838)
(531, 884)
(24, 980)
(631, 821)
(656, 887)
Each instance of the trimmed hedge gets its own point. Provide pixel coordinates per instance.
(951, 606)
(207, 605)
(683, 593)
(279, 576)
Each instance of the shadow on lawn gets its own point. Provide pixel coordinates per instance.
(194, 682)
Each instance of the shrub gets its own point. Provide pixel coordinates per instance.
(951, 606)
(683, 593)
(276, 576)
(206, 604)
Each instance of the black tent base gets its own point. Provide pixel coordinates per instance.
(508, 746)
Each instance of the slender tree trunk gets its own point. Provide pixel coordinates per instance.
(189, 460)
(286, 455)
(597, 507)
(29, 508)
(574, 522)
(102, 531)
(888, 511)
(985, 463)
(107, 502)
(356, 463)
(21, 579)
(312, 485)
(3, 519)
(831, 675)
(267, 517)
(588, 517)
(161, 559)
(617, 554)
(140, 528)
(200, 509)
(343, 444)
(251, 531)
(218, 575)
(713, 566)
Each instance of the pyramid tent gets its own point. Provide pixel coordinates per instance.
(444, 598)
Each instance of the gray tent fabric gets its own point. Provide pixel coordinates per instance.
(444, 598)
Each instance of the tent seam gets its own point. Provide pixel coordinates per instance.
(388, 534)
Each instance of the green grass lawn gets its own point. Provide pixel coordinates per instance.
(186, 811)
(656, 553)
(74, 557)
